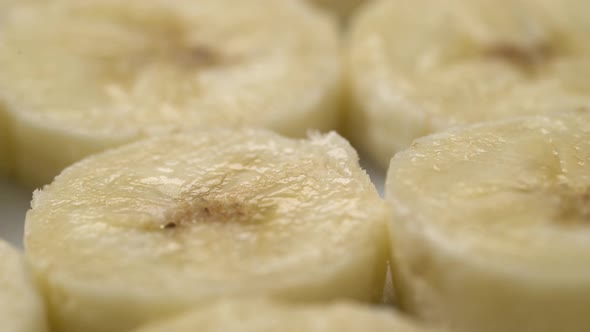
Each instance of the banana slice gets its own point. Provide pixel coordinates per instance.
(418, 67)
(492, 225)
(152, 228)
(342, 8)
(21, 308)
(81, 76)
(267, 316)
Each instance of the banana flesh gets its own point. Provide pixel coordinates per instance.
(269, 316)
(491, 224)
(88, 75)
(153, 228)
(418, 67)
(21, 308)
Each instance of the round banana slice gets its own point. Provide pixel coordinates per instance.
(21, 307)
(492, 225)
(162, 225)
(421, 66)
(267, 316)
(80, 76)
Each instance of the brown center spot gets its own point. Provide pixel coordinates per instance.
(172, 44)
(222, 209)
(182, 53)
(200, 56)
(574, 206)
(526, 57)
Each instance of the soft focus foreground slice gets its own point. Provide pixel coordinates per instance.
(152, 228)
(492, 225)
(268, 316)
(80, 76)
(421, 66)
(21, 307)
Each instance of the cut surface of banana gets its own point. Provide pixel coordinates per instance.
(418, 67)
(21, 307)
(92, 74)
(491, 225)
(268, 316)
(152, 228)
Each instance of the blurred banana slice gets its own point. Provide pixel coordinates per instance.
(21, 307)
(420, 66)
(268, 316)
(80, 76)
(492, 225)
(159, 226)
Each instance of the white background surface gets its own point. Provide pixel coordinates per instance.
(15, 201)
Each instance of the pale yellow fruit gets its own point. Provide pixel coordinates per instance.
(80, 76)
(268, 316)
(21, 307)
(420, 66)
(166, 224)
(492, 225)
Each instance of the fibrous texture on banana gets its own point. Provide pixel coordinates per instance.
(79, 77)
(420, 66)
(167, 224)
(21, 307)
(269, 316)
(491, 227)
